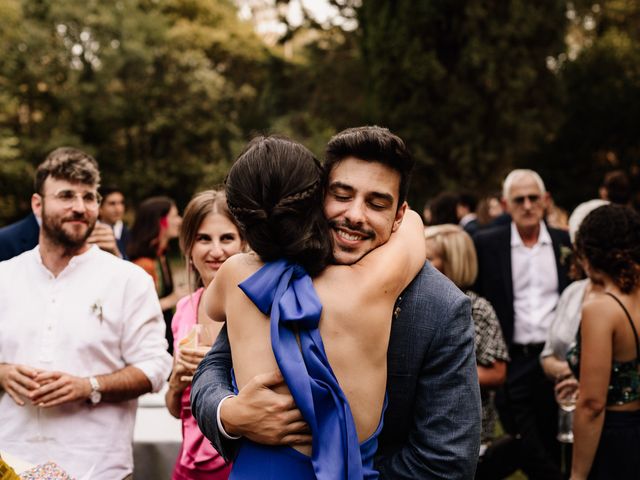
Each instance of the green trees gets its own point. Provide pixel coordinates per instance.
(465, 83)
(601, 100)
(163, 93)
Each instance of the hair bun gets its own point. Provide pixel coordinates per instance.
(274, 192)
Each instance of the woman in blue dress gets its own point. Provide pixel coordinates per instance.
(325, 327)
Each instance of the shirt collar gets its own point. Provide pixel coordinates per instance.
(469, 217)
(75, 260)
(543, 237)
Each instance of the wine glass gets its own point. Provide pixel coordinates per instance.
(566, 393)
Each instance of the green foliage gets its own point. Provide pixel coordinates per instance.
(159, 91)
(166, 92)
(602, 103)
(464, 83)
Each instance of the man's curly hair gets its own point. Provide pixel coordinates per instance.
(609, 239)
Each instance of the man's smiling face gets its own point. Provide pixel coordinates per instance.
(361, 205)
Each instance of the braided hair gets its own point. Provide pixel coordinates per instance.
(609, 238)
(274, 191)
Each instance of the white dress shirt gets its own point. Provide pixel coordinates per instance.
(99, 315)
(117, 229)
(535, 286)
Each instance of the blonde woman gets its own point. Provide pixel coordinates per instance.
(451, 250)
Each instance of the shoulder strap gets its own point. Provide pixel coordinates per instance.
(635, 333)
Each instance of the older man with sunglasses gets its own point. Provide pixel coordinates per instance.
(522, 271)
(81, 334)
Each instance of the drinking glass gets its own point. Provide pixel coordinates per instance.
(566, 392)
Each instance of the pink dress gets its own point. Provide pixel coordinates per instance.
(197, 460)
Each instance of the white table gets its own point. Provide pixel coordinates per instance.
(156, 439)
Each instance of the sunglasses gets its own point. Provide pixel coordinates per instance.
(521, 199)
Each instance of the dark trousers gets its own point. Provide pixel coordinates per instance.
(528, 410)
(502, 458)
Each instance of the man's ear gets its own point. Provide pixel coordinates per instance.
(546, 200)
(36, 205)
(399, 216)
(505, 204)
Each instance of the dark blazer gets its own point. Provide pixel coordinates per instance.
(19, 237)
(432, 421)
(123, 241)
(495, 281)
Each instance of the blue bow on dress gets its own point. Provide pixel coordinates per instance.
(285, 291)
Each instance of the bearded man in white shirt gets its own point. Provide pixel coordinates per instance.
(522, 269)
(81, 334)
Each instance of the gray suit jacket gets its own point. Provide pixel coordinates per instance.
(432, 422)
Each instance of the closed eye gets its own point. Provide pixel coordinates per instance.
(341, 198)
(378, 206)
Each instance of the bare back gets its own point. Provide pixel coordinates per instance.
(355, 324)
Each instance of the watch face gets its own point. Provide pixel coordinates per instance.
(95, 397)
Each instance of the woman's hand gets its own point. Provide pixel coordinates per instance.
(188, 360)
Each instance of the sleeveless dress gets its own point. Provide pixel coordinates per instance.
(197, 460)
(285, 291)
(617, 453)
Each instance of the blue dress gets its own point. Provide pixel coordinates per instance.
(284, 291)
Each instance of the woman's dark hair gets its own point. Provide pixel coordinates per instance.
(144, 240)
(274, 190)
(609, 238)
(444, 209)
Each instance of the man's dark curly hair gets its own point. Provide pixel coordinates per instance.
(609, 238)
(274, 191)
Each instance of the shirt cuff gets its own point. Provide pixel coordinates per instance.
(157, 370)
(219, 422)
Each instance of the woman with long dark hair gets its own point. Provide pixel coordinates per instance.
(157, 221)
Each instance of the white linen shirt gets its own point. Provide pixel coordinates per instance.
(535, 286)
(99, 315)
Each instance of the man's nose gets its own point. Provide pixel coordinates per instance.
(77, 204)
(355, 214)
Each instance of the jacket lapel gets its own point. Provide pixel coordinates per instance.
(560, 268)
(504, 253)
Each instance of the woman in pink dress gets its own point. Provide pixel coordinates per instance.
(208, 237)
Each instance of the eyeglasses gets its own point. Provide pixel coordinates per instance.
(519, 200)
(91, 200)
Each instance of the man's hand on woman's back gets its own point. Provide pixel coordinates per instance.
(263, 415)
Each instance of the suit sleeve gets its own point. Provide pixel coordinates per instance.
(445, 438)
(211, 383)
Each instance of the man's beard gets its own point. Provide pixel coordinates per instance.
(368, 234)
(54, 231)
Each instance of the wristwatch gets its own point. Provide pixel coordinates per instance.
(95, 395)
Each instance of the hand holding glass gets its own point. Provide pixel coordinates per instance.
(566, 392)
(193, 347)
